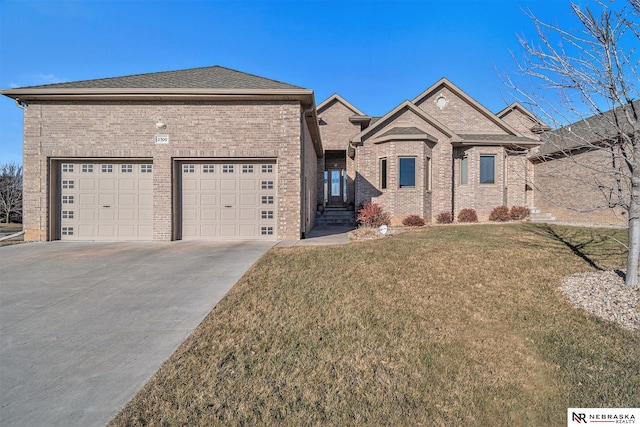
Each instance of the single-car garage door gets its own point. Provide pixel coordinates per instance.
(229, 200)
(106, 201)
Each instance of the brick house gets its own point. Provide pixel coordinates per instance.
(580, 170)
(213, 153)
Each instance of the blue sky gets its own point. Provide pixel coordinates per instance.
(375, 54)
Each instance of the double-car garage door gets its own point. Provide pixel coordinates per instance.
(113, 200)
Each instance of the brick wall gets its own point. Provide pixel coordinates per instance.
(401, 202)
(457, 114)
(196, 130)
(572, 189)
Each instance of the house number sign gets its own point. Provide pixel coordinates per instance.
(162, 139)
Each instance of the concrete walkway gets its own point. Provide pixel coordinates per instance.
(320, 236)
(83, 326)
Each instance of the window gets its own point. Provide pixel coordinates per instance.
(227, 168)
(67, 167)
(383, 174)
(87, 168)
(68, 183)
(267, 185)
(247, 168)
(487, 169)
(464, 168)
(107, 168)
(265, 231)
(188, 168)
(267, 168)
(67, 231)
(146, 168)
(407, 172)
(126, 168)
(267, 215)
(208, 168)
(67, 214)
(267, 200)
(67, 200)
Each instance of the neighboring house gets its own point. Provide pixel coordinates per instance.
(213, 153)
(576, 178)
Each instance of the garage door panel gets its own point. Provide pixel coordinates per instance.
(110, 201)
(209, 231)
(248, 185)
(146, 183)
(228, 199)
(229, 214)
(126, 184)
(208, 199)
(126, 200)
(228, 184)
(86, 183)
(107, 184)
(189, 215)
(228, 230)
(146, 216)
(86, 199)
(248, 215)
(247, 230)
(189, 184)
(145, 200)
(209, 215)
(87, 214)
(126, 215)
(248, 199)
(106, 214)
(210, 184)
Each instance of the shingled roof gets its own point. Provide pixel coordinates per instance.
(587, 132)
(214, 77)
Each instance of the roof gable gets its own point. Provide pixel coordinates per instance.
(469, 114)
(337, 98)
(409, 106)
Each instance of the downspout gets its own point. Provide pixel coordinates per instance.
(303, 178)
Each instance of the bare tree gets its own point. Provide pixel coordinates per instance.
(10, 190)
(584, 83)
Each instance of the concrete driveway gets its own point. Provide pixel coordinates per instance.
(83, 326)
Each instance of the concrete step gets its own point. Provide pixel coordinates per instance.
(541, 217)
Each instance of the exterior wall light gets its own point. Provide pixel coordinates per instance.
(161, 125)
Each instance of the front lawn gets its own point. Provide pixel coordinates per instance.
(459, 325)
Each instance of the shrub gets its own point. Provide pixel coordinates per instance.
(501, 213)
(372, 215)
(444, 218)
(467, 215)
(413, 221)
(519, 212)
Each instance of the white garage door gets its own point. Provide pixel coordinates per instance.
(229, 200)
(106, 201)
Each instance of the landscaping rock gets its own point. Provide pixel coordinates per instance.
(605, 295)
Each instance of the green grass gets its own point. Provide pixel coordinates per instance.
(439, 326)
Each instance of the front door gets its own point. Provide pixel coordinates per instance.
(336, 194)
